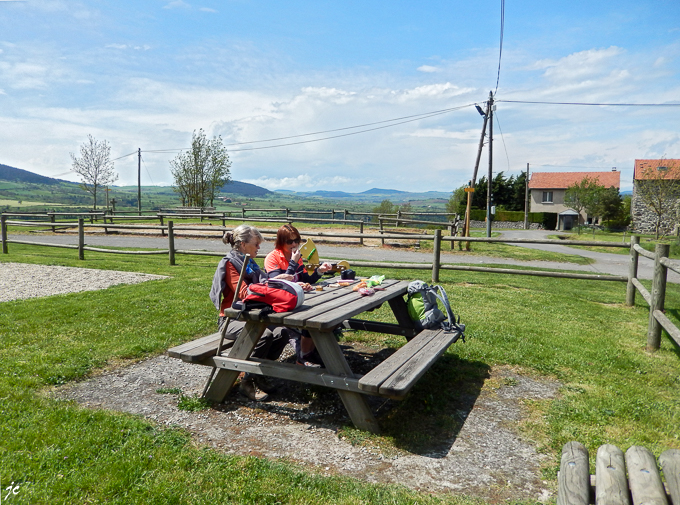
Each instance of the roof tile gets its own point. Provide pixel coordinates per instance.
(562, 180)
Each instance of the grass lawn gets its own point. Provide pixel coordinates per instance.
(577, 332)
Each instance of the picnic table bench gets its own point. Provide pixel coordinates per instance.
(610, 485)
(321, 313)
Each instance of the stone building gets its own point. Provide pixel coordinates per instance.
(665, 175)
(548, 190)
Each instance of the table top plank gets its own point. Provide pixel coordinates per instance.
(331, 318)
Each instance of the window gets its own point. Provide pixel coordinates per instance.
(547, 197)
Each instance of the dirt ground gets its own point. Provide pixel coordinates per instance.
(487, 458)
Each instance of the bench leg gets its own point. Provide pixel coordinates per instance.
(355, 403)
(244, 345)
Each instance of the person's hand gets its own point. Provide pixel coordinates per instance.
(284, 277)
(296, 255)
(305, 286)
(325, 267)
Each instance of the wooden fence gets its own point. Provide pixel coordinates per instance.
(655, 299)
(619, 479)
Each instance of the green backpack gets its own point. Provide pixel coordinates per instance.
(423, 308)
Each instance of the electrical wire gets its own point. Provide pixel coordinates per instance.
(500, 50)
(124, 156)
(597, 104)
(507, 157)
(395, 122)
(147, 171)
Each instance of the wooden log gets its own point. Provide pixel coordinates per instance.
(645, 483)
(436, 255)
(574, 477)
(3, 227)
(632, 271)
(668, 325)
(643, 291)
(669, 461)
(611, 483)
(81, 239)
(658, 298)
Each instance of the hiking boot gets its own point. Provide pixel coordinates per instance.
(250, 390)
(265, 384)
(312, 359)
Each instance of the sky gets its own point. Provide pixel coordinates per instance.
(147, 74)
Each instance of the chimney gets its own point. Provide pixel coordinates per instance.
(613, 169)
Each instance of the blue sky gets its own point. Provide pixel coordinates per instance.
(145, 74)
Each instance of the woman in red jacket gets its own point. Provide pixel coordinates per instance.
(286, 259)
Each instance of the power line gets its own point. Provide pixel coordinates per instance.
(500, 50)
(395, 122)
(597, 104)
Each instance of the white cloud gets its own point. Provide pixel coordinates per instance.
(428, 69)
(177, 4)
(300, 182)
(207, 9)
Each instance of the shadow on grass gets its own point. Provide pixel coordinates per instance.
(676, 315)
(428, 420)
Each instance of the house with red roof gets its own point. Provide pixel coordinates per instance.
(666, 198)
(548, 190)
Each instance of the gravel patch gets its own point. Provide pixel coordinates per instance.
(488, 458)
(24, 280)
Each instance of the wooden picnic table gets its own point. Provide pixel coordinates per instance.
(321, 313)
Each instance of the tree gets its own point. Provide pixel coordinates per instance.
(659, 188)
(94, 166)
(385, 207)
(201, 172)
(582, 195)
(457, 203)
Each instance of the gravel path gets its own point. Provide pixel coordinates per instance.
(22, 280)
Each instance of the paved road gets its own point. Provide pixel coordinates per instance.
(604, 263)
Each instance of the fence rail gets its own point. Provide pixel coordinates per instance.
(654, 298)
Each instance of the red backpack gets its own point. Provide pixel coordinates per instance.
(273, 295)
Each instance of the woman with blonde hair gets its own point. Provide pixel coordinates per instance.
(244, 240)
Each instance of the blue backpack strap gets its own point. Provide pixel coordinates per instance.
(451, 324)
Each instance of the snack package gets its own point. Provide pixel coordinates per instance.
(375, 280)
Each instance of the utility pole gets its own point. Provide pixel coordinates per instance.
(139, 181)
(526, 200)
(490, 177)
(471, 187)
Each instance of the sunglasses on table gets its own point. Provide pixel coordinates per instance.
(294, 241)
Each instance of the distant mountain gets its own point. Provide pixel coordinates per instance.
(245, 189)
(8, 173)
(377, 191)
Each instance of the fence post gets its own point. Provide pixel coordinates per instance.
(243, 213)
(632, 271)
(361, 231)
(171, 243)
(160, 217)
(52, 220)
(224, 219)
(453, 234)
(200, 211)
(396, 225)
(436, 250)
(81, 238)
(658, 297)
(3, 226)
(382, 240)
